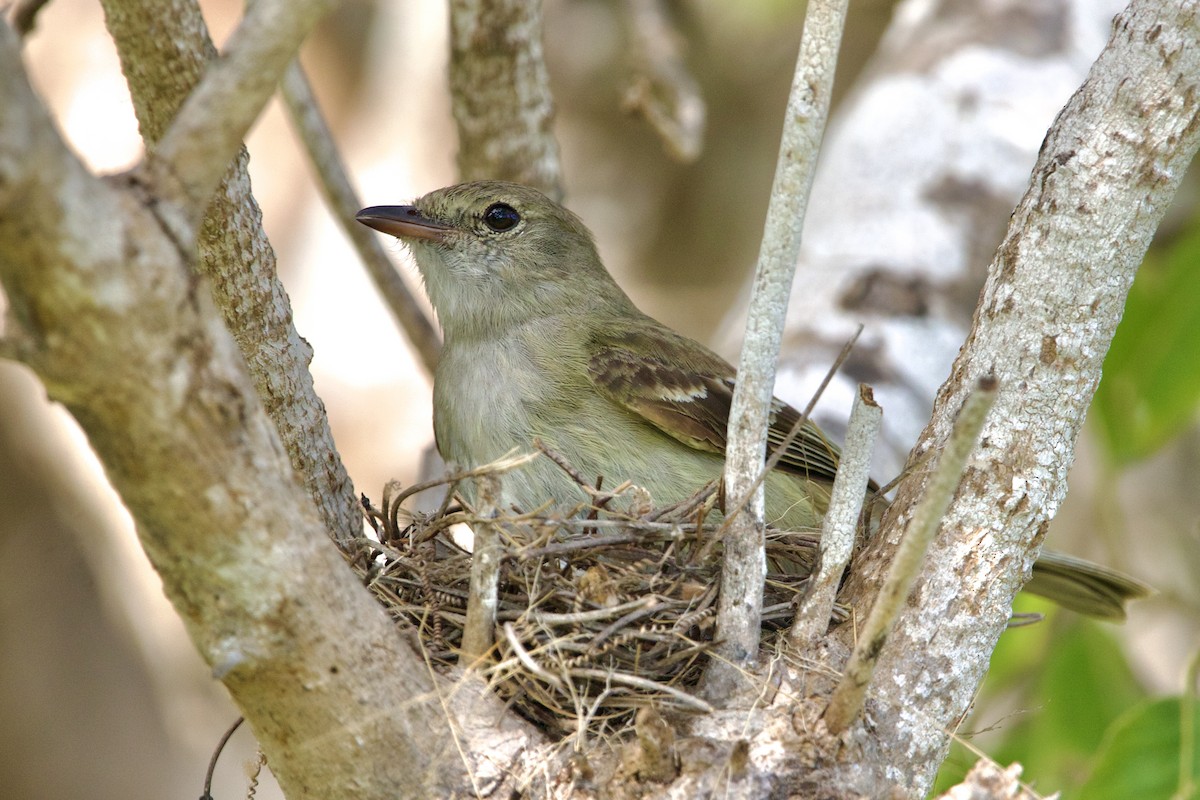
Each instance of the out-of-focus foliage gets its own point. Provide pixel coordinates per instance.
(1052, 692)
(1064, 703)
(1140, 755)
(1151, 386)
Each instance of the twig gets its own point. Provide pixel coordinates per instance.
(580, 542)
(736, 507)
(840, 526)
(483, 596)
(1045, 320)
(649, 606)
(663, 91)
(343, 201)
(645, 685)
(499, 466)
(780, 451)
(157, 384)
(192, 156)
(847, 698)
(546, 618)
(808, 105)
(212, 762)
(165, 50)
(527, 660)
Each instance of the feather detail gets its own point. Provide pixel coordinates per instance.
(687, 392)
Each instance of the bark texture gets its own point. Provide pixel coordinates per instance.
(1054, 294)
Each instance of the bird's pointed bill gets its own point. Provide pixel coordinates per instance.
(404, 222)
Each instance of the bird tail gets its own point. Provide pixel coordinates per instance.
(1083, 586)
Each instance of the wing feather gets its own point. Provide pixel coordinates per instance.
(686, 391)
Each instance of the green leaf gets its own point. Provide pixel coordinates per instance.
(1085, 684)
(1069, 681)
(1140, 756)
(1151, 385)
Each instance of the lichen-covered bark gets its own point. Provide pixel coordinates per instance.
(501, 94)
(164, 47)
(1054, 294)
(105, 309)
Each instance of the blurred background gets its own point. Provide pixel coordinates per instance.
(101, 694)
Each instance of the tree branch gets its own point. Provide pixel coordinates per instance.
(1105, 175)
(663, 91)
(922, 164)
(486, 555)
(839, 528)
(194, 152)
(847, 699)
(343, 203)
(500, 92)
(105, 310)
(740, 605)
(164, 48)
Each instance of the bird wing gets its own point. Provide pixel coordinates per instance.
(686, 391)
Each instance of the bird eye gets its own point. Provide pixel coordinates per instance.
(501, 217)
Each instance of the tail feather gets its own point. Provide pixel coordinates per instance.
(1083, 586)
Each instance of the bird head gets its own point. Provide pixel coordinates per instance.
(493, 253)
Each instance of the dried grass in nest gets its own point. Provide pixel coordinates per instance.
(602, 612)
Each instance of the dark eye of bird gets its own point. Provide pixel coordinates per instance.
(501, 217)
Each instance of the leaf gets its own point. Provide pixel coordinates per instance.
(1140, 755)
(1084, 685)
(1151, 385)
(1069, 680)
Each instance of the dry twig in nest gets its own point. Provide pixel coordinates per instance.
(600, 612)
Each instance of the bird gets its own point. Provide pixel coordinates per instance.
(542, 344)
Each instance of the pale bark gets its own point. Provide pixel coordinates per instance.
(740, 606)
(164, 48)
(839, 528)
(846, 702)
(186, 164)
(922, 163)
(104, 308)
(1054, 294)
(501, 94)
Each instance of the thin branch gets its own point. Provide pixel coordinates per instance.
(663, 91)
(485, 574)
(108, 315)
(733, 508)
(839, 529)
(164, 48)
(847, 699)
(646, 685)
(500, 91)
(188, 162)
(343, 203)
(808, 105)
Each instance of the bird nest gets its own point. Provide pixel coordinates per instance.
(600, 612)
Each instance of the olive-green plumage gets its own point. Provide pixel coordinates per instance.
(540, 342)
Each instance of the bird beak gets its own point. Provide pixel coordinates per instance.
(403, 222)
